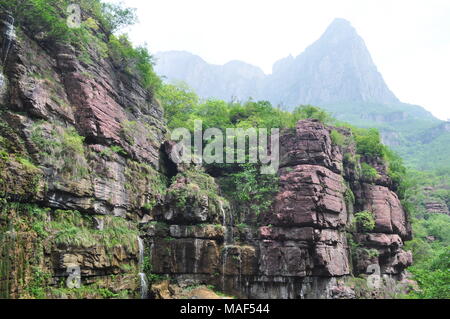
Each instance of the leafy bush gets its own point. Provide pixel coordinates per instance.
(251, 191)
(115, 16)
(179, 102)
(369, 172)
(311, 112)
(337, 138)
(135, 61)
(61, 148)
(368, 142)
(364, 221)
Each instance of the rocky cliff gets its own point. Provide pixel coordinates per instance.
(88, 192)
(80, 158)
(307, 245)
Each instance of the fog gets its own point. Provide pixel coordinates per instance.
(408, 39)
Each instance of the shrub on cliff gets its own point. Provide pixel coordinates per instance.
(47, 20)
(135, 61)
(368, 142)
(364, 221)
(337, 138)
(194, 187)
(369, 172)
(252, 192)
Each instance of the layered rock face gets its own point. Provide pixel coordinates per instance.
(85, 184)
(307, 248)
(77, 134)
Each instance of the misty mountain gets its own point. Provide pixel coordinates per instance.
(336, 73)
(234, 79)
(336, 68)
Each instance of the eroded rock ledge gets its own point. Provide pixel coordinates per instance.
(304, 246)
(84, 174)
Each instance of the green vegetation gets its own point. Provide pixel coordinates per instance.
(433, 276)
(252, 192)
(338, 138)
(349, 197)
(26, 230)
(19, 175)
(431, 232)
(109, 151)
(98, 22)
(364, 221)
(369, 172)
(94, 291)
(412, 131)
(368, 142)
(200, 186)
(135, 61)
(242, 184)
(61, 148)
(182, 107)
(142, 178)
(249, 191)
(129, 130)
(36, 288)
(72, 228)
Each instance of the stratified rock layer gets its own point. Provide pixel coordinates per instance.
(304, 250)
(84, 162)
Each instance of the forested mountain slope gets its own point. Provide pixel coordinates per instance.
(336, 73)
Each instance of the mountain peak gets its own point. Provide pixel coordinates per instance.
(340, 30)
(337, 68)
(340, 23)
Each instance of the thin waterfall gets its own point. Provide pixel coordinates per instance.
(197, 256)
(240, 269)
(228, 227)
(2, 81)
(9, 36)
(141, 254)
(224, 262)
(144, 286)
(142, 275)
(224, 221)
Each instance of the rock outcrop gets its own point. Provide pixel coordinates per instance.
(306, 248)
(437, 208)
(87, 183)
(76, 134)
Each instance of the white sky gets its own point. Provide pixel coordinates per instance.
(409, 39)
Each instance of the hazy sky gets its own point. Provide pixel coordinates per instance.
(409, 39)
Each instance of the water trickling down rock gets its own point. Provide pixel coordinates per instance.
(9, 35)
